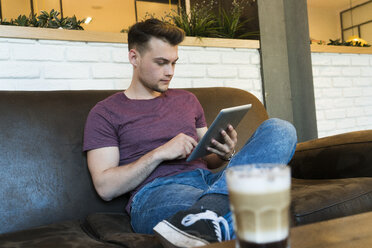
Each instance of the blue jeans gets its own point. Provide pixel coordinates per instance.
(273, 142)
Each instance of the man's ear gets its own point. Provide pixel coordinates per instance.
(133, 57)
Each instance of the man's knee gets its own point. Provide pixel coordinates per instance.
(281, 129)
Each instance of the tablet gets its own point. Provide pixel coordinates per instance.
(225, 117)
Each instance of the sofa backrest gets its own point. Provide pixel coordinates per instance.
(43, 172)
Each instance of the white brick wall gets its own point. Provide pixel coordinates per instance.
(63, 65)
(342, 82)
(343, 92)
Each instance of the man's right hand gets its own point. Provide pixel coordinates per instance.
(177, 148)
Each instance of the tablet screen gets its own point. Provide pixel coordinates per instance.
(225, 117)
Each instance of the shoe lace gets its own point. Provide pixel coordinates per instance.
(212, 216)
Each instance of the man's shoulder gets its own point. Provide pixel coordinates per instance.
(112, 98)
(108, 103)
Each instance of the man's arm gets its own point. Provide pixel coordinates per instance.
(111, 180)
(220, 152)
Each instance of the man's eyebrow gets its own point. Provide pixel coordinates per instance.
(164, 59)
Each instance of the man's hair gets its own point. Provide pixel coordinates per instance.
(140, 33)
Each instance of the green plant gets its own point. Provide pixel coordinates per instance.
(46, 20)
(199, 22)
(230, 24)
(209, 20)
(337, 42)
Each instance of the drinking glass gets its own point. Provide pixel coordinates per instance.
(259, 199)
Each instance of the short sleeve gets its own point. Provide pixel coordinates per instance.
(200, 118)
(99, 130)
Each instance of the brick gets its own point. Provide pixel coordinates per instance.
(40, 84)
(66, 71)
(363, 101)
(190, 48)
(367, 91)
(368, 110)
(322, 82)
(190, 71)
(345, 123)
(83, 54)
(8, 84)
(322, 134)
(318, 93)
(204, 57)
(207, 83)
(330, 71)
(249, 72)
(219, 49)
(37, 52)
(21, 41)
(104, 53)
(119, 55)
(362, 81)
(343, 102)
(19, 70)
(255, 58)
(181, 83)
(364, 121)
(257, 84)
(241, 84)
(121, 84)
(222, 71)
(351, 71)
(354, 111)
(326, 125)
(183, 57)
(341, 59)
(335, 114)
(353, 92)
(91, 84)
(360, 59)
(316, 72)
(332, 92)
(320, 115)
(324, 103)
(109, 70)
(367, 71)
(320, 59)
(54, 42)
(342, 82)
(4, 53)
(237, 58)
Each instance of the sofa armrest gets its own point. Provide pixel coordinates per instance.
(339, 156)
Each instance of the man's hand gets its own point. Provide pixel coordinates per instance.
(177, 148)
(225, 150)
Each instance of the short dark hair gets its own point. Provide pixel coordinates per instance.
(141, 32)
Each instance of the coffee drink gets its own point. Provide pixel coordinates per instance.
(259, 199)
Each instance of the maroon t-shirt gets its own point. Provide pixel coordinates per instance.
(137, 127)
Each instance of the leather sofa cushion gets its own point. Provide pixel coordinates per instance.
(344, 155)
(65, 234)
(318, 200)
(115, 228)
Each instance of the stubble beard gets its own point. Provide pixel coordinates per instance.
(154, 87)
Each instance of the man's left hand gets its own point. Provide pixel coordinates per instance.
(227, 149)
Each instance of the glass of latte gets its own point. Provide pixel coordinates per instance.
(259, 200)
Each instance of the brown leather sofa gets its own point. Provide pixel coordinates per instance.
(48, 200)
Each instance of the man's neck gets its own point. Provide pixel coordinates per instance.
(140, 93)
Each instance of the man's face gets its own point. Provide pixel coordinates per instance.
(156, 64)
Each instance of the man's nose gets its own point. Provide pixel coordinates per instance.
(169, 70)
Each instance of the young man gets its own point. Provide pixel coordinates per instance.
(137, 142)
